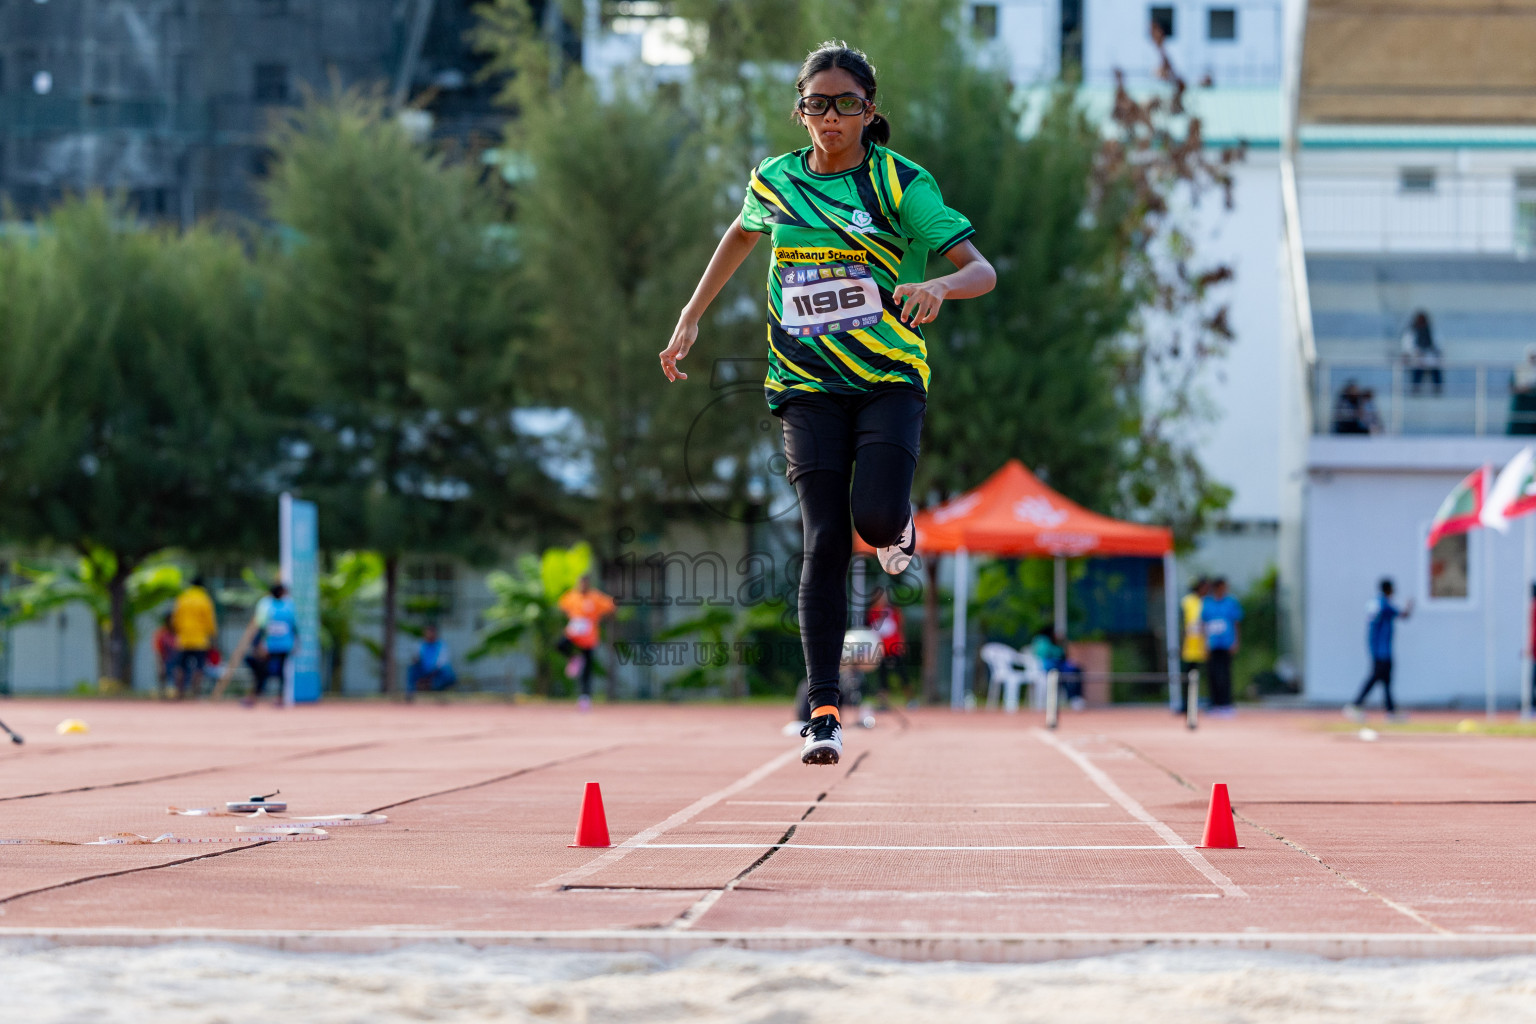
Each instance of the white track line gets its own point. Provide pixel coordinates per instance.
(1016, 947)
(826, 846)
(643, 837)
(890, 803)
(912, 824)
(1135, 810)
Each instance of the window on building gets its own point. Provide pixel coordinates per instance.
(984, 21)
(1525, 212)
(1416, 180)
(262, 159)
(430, 590)
(272, 8)
(271, 83)
(1162, 22)
(1449, 569)
(1221, 23)
(1071, 38)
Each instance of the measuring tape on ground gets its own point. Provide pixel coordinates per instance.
(311, 821)
(134, 839)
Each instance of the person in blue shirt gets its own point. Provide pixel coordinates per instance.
(432, 666)
(276, 625)
(1220, 614)
(1378, 637)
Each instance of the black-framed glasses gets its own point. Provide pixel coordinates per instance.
(849, 104)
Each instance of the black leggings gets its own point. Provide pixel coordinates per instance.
(877, 502)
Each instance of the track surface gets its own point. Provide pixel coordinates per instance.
(978, 836)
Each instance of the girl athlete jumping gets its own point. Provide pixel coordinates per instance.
(853, 224)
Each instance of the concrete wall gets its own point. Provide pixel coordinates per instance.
(1241, 447)
(1369, 505)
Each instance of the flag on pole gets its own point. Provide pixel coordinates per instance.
(1513, 493)
(1462, 509)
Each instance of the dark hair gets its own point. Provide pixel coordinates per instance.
(1386, 585)
(199, 581)
(278, 590)
(837, 54)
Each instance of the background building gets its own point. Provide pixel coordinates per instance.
(168, 102)
(1414, 156)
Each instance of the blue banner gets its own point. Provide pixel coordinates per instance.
(299, 530)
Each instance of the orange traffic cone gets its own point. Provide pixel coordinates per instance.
(592, 826)
(1220, 832)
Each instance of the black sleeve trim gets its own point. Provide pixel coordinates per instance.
(959, 237)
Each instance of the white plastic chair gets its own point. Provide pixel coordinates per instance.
(1007, 672)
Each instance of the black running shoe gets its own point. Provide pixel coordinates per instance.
(823, 740)
(895, 558)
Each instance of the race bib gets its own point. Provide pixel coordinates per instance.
(578, 626)
(829, 298)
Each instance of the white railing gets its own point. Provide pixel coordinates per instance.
(1392, 397)
(1375, 214)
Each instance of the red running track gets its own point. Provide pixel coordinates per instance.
(978, 836)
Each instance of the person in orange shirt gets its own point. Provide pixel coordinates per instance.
(585, 608)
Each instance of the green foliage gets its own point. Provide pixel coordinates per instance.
(1253, 667)
(726, 631)
(525, 608)
(132, 394)
(400, 325)
(1014, 598)
(352, 582)
(88, 581)
(622, 209)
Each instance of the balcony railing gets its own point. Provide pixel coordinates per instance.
(1457, 215)
(1393, 397)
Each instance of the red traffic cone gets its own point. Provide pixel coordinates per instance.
(1220, 832)
(592, 826)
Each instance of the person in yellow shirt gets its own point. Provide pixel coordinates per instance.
(196, 628)
(1193, 653)
(585, 608)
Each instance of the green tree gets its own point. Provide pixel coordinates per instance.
(525, 610)
(353, 581)
(619, 206)
(88, 581)
(131, 398)
(396, 306)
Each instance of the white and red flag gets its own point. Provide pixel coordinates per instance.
(1462, 509)
(1513, 493)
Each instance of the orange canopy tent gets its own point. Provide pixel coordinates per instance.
(1013, 514)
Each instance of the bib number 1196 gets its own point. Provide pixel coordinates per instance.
(828, 298)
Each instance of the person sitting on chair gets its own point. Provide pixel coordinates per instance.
(1069, 674)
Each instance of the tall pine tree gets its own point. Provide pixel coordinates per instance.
(132, 398)
(393, 302)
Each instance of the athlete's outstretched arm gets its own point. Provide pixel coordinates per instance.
(973, 276)
(734, 246)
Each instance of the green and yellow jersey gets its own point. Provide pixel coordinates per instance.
(841, 244)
